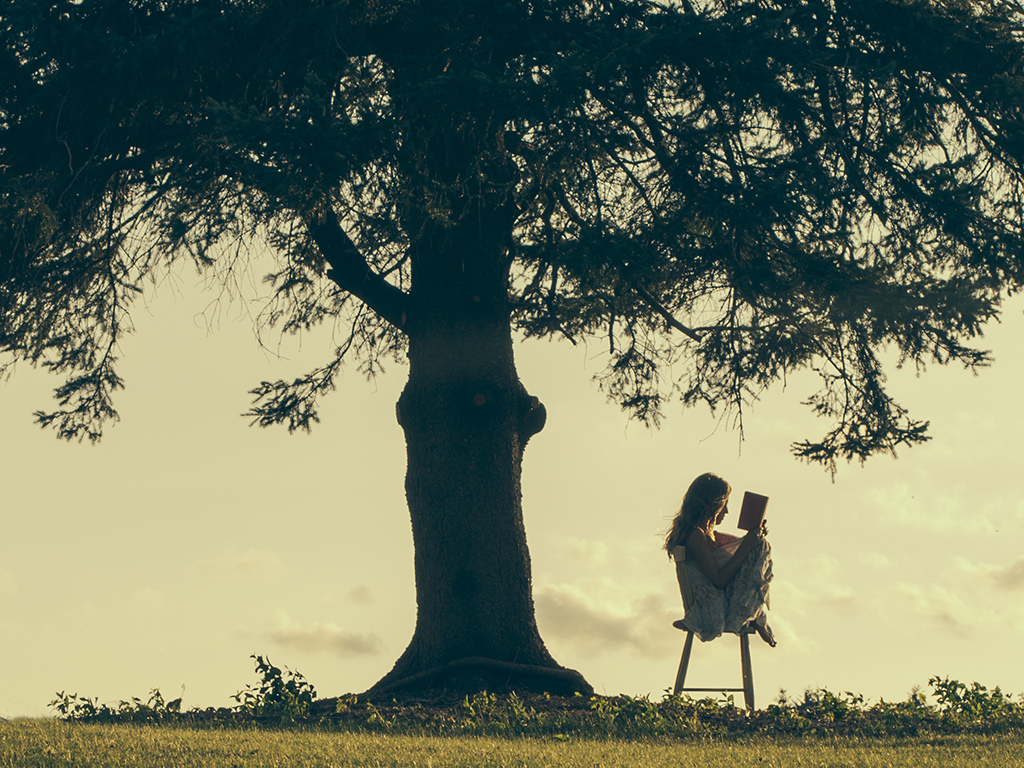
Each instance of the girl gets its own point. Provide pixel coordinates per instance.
(728, 576)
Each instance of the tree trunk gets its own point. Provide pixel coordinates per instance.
(467, 419)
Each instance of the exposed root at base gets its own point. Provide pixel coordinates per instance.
(476, 673)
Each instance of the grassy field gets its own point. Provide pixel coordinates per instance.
(57, 743)
(280, 722)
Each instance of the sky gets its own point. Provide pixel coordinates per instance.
(187, 541)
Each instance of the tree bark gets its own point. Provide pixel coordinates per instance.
(467, 419)
(466, 416)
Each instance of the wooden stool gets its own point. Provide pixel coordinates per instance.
(679, 556)
(748, 676)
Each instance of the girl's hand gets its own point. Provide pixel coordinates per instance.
(757, 534)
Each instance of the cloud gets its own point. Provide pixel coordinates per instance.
(252, 562)
(1010, 577)
(811, 584)
(1016, 517)
(940, 606)
(875, 560)
(1007, 577)
(570, 615)
(322, 638)
(953, 508)
(361, 595)
(790, 639)
(586, 552)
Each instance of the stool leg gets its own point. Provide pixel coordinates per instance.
(748, 675)
(683, 663)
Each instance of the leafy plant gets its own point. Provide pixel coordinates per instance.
(75, 707)
(487, 713)
(959, 702)
(828, 707)
(286, 694)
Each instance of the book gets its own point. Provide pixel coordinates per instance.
(752, 511)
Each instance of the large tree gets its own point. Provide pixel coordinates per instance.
(721, 191)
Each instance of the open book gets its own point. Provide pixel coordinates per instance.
(752, 511)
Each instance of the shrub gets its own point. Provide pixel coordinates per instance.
(285, 694)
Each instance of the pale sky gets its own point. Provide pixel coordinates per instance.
(187, 540)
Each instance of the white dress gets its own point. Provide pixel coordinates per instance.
(714, 611)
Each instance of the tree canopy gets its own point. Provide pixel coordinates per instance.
(727, 190)
(721, 191)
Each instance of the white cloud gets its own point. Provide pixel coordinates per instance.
(587, 552)
(568, 614)
(251, 562)
(791, 640)
(960, 509)
(875, 560)
(943, 609)
(1009, 577)
(323, 638)
(1016, 518)
(811, 584)
(361, 595)
(923, 509)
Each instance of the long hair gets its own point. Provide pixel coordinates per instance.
(703, 498)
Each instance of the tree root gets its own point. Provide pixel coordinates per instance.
(475, 673)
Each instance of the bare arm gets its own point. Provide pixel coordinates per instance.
(699, 548)
(724, 538)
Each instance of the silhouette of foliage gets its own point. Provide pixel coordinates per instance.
(724, 190)
(957, 709)
(283, 694)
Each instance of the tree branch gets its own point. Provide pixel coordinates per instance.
(351, 273)
(657, 306)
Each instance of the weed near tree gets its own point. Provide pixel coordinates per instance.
(284, 697)
(280, 721)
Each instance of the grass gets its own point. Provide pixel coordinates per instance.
(280, 722)
(46, 743)
(286, 698)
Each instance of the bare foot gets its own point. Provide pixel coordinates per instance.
(765, 632)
